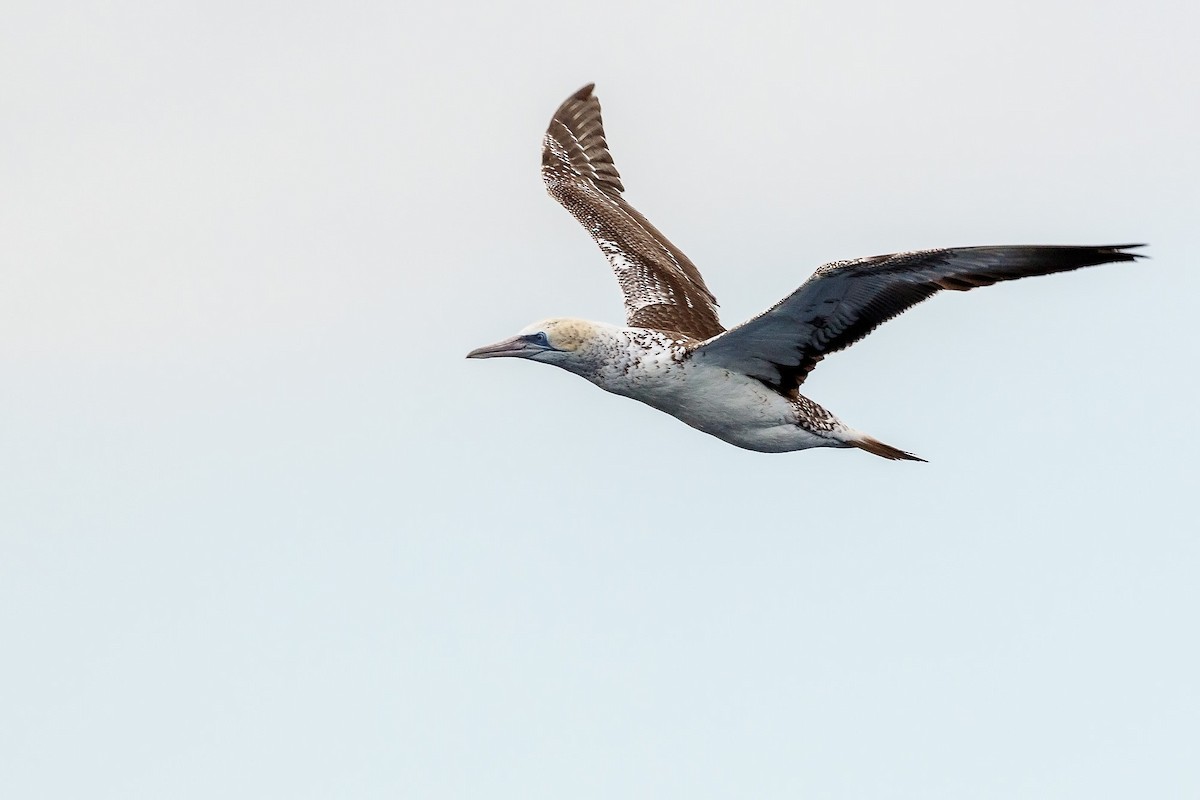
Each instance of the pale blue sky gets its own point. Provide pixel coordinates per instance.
(265, 533)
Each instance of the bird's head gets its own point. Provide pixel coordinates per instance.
(567, 343)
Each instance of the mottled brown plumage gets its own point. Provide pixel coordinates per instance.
(662, 287)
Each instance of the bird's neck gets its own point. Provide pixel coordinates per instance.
(617, 357)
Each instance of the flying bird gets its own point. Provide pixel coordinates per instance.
(742, 384)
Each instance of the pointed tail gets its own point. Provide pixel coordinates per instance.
(878, 448)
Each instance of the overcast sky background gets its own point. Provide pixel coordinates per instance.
(265, 533)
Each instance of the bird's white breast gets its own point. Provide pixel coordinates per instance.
(655, 370)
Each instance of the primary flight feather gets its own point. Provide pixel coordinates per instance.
(739, 385)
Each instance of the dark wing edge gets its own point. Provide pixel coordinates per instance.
(845, 300)
(662, 287)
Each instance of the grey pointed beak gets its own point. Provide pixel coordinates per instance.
(517, 346)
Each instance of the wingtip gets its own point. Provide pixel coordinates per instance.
(1121, 250)
(584, 93)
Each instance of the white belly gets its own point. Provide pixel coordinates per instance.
(730, 406)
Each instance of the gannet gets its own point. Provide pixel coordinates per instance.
(740, 385)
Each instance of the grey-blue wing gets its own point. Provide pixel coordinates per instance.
(845, 300)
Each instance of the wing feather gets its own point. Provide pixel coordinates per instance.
(845, 300)
(662, 287)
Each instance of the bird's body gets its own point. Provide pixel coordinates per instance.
(662, 371)
(735, 409)
(739, 385)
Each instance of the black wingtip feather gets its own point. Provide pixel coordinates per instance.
(1109, 254)
(1120, 248)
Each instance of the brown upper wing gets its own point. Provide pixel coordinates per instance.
(844, 301)
(662, 288)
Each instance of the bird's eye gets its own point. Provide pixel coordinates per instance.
(540, 338)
